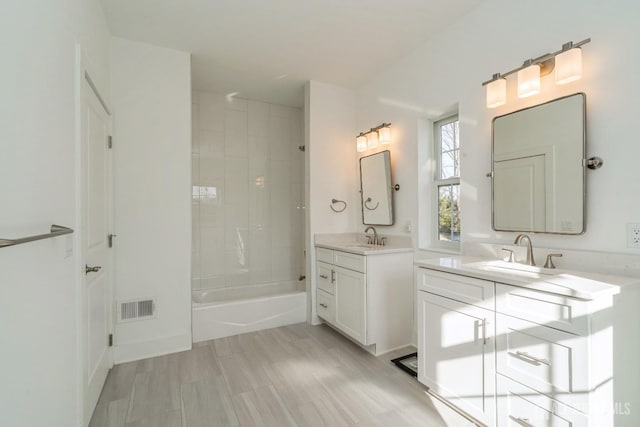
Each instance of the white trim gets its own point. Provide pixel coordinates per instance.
(137, 350)
(78, 234)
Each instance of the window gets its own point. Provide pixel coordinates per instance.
(447, 182)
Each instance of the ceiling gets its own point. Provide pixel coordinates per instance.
(267, 49)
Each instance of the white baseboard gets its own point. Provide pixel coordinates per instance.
(129, 352)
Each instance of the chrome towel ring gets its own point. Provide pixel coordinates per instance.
(369, 201)
(336, 201)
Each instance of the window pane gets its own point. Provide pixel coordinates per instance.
(447, 165)
(448, 137)
(449, 212)
(449, 150)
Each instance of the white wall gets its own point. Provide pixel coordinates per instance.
(496, 37)
(248, 192)
(330, 167)
(40, 367)
(151, 92)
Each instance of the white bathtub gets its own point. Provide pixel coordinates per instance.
(221, 313)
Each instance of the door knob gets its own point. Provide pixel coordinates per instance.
(88, 269)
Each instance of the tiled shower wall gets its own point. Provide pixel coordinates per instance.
(248, 192)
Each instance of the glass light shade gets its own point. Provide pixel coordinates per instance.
(372, 139)
(529, 81)
(384, 134)
(568, 66)
(497, 93)
(361, 143)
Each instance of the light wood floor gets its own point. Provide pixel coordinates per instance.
(296, 375)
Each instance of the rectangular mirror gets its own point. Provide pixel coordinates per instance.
(538, 174)
(375, 189)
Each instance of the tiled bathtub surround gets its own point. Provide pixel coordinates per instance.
(248, 192)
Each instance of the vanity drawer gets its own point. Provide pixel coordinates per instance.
(547, 360)
(325, 279)
(325, 306)
(324, 255)
(564, 313)
(461, 288)
(351, 261)
(518, 406)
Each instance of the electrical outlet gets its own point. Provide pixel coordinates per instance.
(633, 235)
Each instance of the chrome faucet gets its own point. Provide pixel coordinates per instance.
(527, 239)
(373, 241)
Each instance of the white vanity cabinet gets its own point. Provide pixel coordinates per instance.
(530, 353)
(456, 350)
(369, 298)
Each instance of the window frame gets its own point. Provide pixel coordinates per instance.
(438, 182)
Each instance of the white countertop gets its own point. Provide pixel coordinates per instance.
(363, 249)
(355, 243)
(574, 284)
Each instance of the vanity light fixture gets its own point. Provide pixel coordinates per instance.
(497, 91)
(361, 142)
(384, 134)
(568, 64)
(566, 61)
(529, 80)
(374, 137)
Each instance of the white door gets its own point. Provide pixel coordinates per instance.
(96, 226)
(456, 356)
(522, 182)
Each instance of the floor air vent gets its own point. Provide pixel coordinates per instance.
(135, 310)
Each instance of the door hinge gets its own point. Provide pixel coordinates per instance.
(110, 142)
(110, 240)
(110, 340)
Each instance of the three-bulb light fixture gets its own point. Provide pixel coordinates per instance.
(379, 135)
(566, 64)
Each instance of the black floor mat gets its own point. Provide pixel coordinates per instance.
(408, 363)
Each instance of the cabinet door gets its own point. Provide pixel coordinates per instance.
(456, 354)
(351, 297)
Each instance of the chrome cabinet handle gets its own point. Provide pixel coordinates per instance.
(323, 305)
(88, 269)
(324, 276)
(522, 421)
(533, 358)
(333, 276)
(484, 331)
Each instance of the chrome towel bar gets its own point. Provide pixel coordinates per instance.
(56, 230)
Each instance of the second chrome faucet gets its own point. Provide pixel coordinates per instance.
(529, 259)
(373, 240)
(519, 238)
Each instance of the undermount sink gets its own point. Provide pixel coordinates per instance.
(513, 268)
